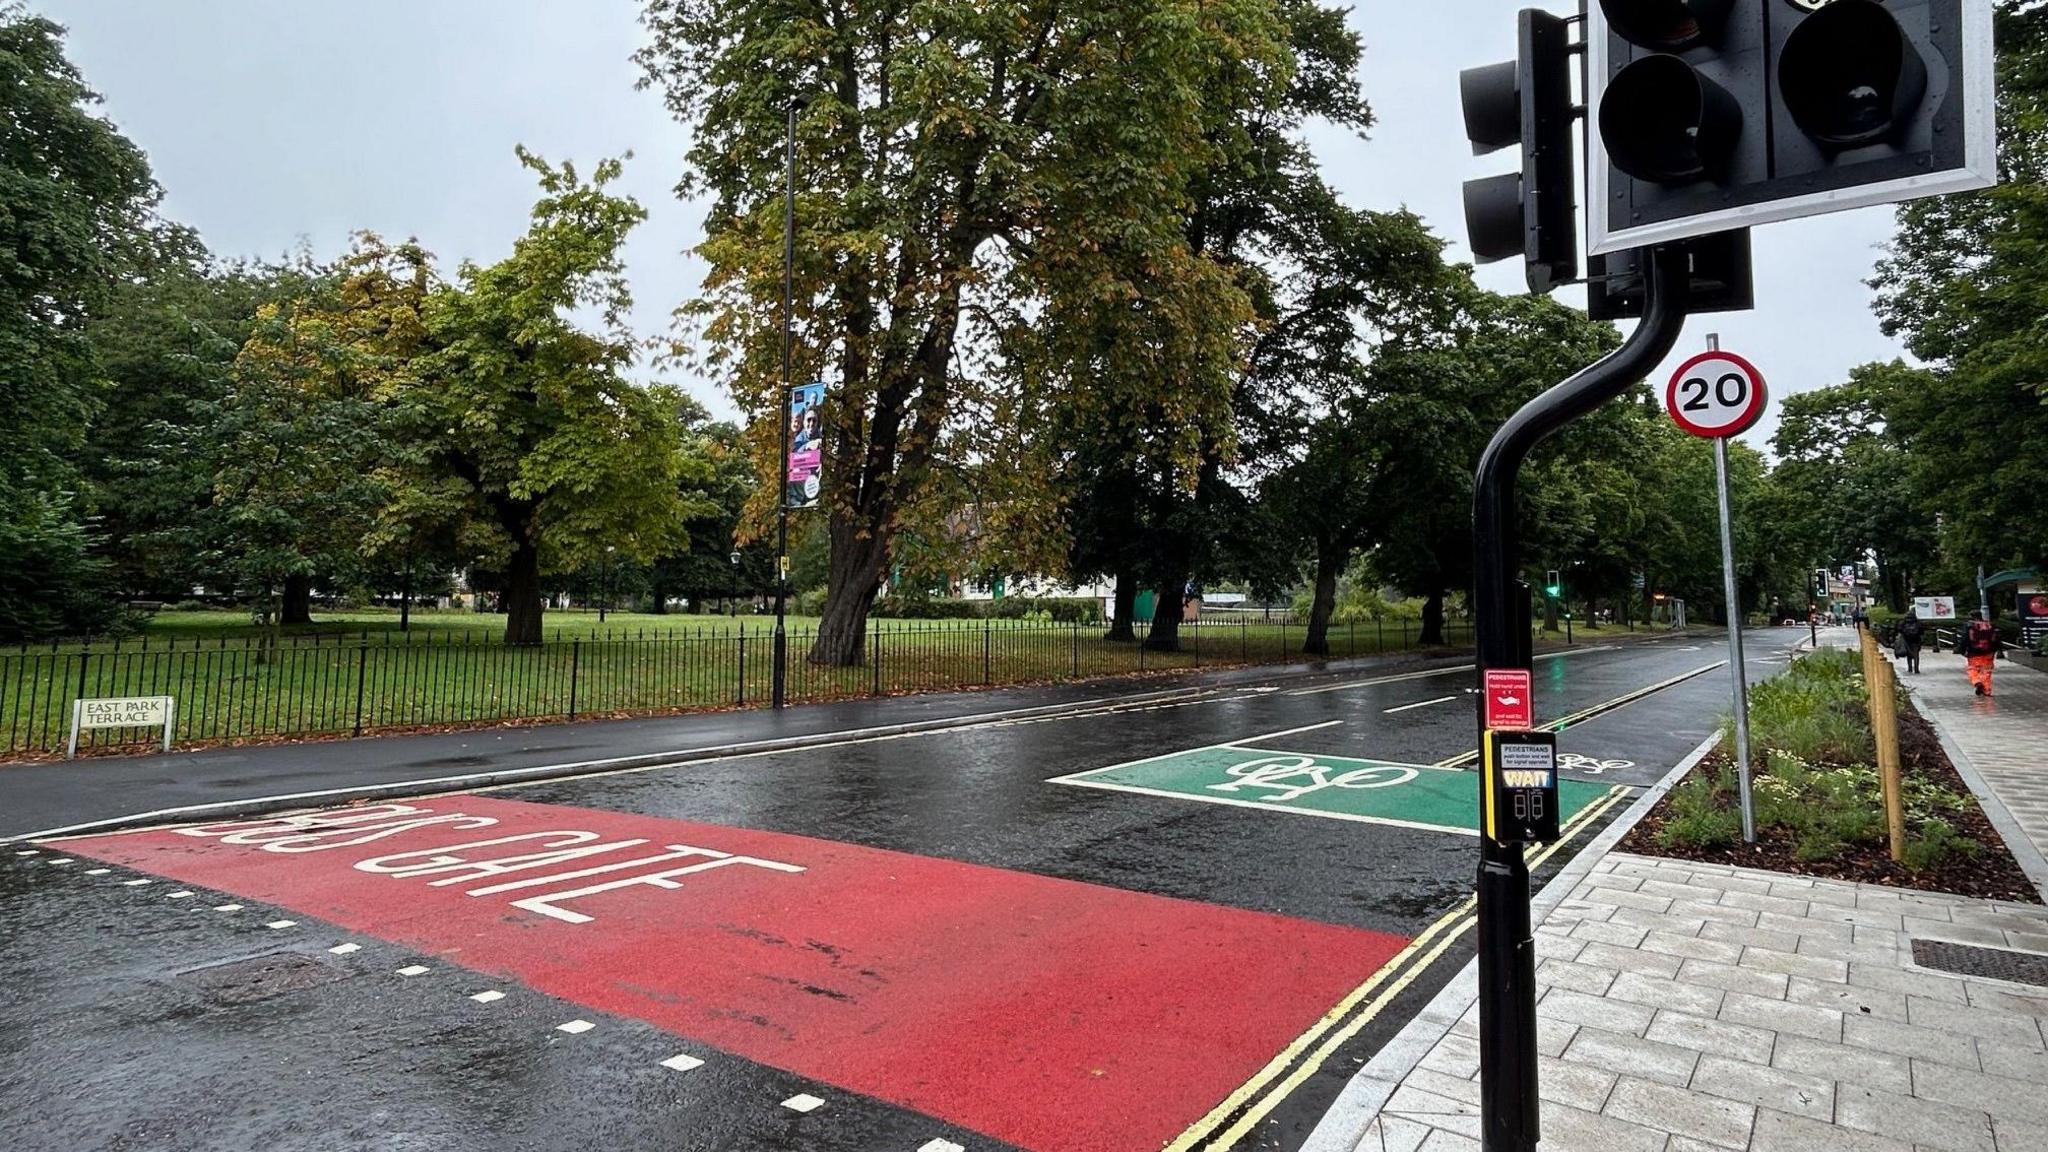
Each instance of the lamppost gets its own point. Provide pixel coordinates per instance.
(604, 586)
(732, 601)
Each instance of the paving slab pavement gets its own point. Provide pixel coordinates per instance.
(1685, 1007)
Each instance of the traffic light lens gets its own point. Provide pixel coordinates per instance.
(1667, 25)
(1665, 123)
(1493, 217)
(1849, 76)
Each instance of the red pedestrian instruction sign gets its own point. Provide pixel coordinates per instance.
(1507, 699)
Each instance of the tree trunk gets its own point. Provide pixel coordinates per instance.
(1329, 562)
(297, 607)
(523, 604)
(1432, 620)
(1164, 635)
(858, 561)
(1122, 628)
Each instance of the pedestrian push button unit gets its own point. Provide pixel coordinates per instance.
(1521, 803)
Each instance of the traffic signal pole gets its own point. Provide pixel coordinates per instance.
(1507, 948)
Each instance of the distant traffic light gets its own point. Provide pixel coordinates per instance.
(1532, 213)
(1552, 586)
(1711, 115)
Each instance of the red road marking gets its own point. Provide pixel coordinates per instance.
(1050, 1014)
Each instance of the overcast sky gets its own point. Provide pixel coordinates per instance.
(274, 124)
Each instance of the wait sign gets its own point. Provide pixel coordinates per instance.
(121, 712)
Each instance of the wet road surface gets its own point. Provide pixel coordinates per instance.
(919, 942)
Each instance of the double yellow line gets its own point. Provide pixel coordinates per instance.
(1233, 1119)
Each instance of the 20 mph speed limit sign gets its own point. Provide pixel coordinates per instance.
(1715, 395)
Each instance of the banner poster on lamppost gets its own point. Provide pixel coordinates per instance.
(806, 445)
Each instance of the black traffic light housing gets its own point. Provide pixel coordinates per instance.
(1712, 115)
(1719, 265)
(1532, 213)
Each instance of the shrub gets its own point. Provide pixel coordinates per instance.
(1938, 840)
(1699, 818)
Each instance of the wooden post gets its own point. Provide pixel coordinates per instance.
(1881, 687)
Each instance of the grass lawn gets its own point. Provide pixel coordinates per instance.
(451, 670)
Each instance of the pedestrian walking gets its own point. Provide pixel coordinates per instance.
(1859, 617)
(1979, 645)
(1911, 633)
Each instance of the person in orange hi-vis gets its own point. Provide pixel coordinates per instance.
(1979, 645)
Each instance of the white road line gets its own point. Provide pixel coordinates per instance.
(682, 1063)
(227, 907)
(940, 1146)
(575, 1027)
(1424, 704)
(27, 852)
(487, 997)
(135, 883)
(1079, 776)
(281, 924)
(413, 970)
(97, 871)
(345, 949)
(59, 860)
(803, 1102)
(181, 895)
(681, 758)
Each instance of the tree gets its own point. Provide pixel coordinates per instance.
(523, 425)
(950, 151)
(166, 344)
(1439, 395)
(1846, 481)
(717, 480)
(1966, 284)
(74, 196)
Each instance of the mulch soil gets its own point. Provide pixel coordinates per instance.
(1991, 874)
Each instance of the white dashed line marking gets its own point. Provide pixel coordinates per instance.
(345, 949)
(413, 970)
(803, 1102)
(97, 871)
(227, 907)
(487, 997)
(682, 1063)
(135, 883)
(26, 852)
(181, 895)
(575, 1027)
(940, 1146)
(60, 860)
(281, 924)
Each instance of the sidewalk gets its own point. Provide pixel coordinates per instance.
(1688, 1007)
(1685, 1007)
(2004, 738)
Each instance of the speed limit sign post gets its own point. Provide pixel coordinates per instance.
(1716, 395)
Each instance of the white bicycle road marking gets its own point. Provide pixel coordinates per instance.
(1591, 765)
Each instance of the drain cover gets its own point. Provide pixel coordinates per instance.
(260, 977)
(1987, 963)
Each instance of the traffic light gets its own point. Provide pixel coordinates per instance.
(1710, 115)
(1820, 583)
(1719, 267)
(1552, 586)
(1532, 213)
